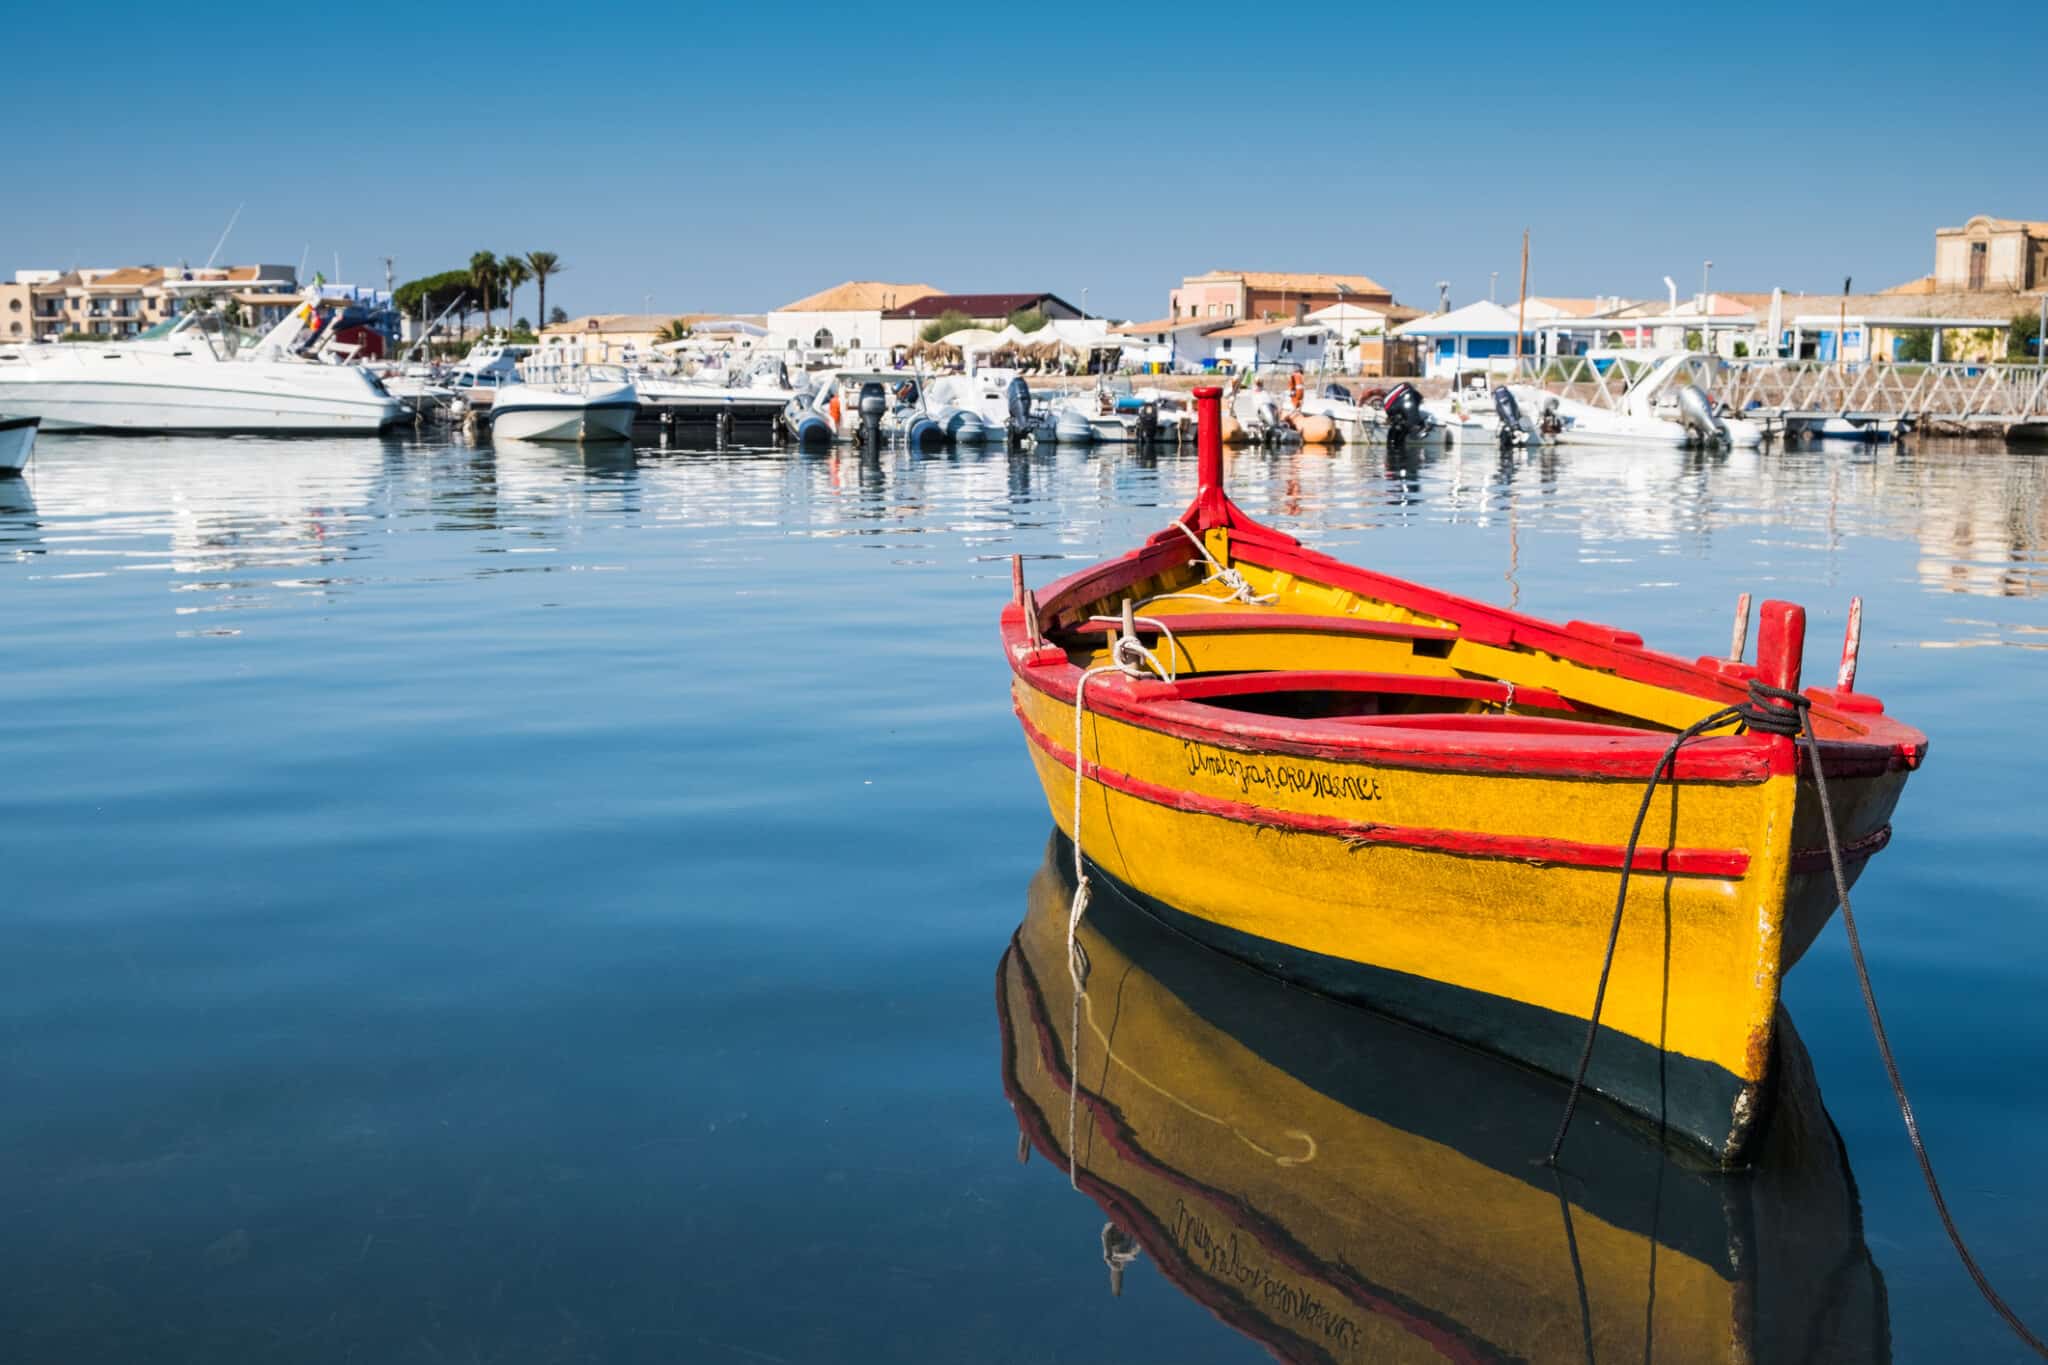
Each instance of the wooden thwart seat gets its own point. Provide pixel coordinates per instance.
(1212, 685)
(1221, 622)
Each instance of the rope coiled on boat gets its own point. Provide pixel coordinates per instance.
(1781, 711)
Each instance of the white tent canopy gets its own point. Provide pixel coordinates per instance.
(1481, 319)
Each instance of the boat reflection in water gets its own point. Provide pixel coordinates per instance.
(1339, 1186)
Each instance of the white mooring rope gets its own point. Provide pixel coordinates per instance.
(1133, 660)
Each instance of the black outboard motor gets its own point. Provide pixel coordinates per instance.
(1405, 417)
(1148, 424)
(1017, 397)
(1510, 413)
(873, 403)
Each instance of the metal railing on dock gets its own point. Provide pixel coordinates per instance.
(1963, 393)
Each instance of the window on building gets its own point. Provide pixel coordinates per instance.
(823, 339)
(14, 305)
(1230, 310)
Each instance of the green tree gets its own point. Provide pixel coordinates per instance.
(2023, 338)
(676, 330)
(430, 292)
(556, 316)
(483, 273)
(1914, 348)
(947, 323)
(512, 272)
(1028, 319)
(544, 264)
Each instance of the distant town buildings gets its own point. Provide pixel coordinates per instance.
(123, 301)
(846, 317)
(1987, 254)
(610, 338)
(1267, 294)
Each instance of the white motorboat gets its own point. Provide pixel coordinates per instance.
(560, 402)
(1663, 405)
(717, 397)
(194, 373)
(17, 443)
(991, 402)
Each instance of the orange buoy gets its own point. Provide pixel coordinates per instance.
(1316, 429)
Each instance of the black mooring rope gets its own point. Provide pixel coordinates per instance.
(1780, 711)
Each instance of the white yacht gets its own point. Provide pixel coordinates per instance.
(17, 443)
(195, 373)
(756, 395)
(552, 401)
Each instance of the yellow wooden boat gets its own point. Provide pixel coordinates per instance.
(1424, 803)
(1341, 1187)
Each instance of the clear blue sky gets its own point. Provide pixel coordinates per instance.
(736, 156)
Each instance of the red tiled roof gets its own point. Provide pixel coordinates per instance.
(975, 305)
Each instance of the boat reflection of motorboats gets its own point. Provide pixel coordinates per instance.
(1339, 1186)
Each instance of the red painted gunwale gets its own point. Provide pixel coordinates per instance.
(1683, 862)
(1856, 738)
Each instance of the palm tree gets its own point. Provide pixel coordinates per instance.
(676, 330)
(512, 273)
(544, 264)
(483, 273)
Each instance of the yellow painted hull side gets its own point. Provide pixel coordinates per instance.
(1502, 951)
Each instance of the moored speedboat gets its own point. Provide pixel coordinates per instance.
(565, 403)
(1338, 1186)
(17, 443)
(1423, 803)
(194, 374)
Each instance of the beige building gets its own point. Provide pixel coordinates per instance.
(120, 302)
(1990, 254)
(846, 317)
(614, 338)
(1246, 295)
(17, 312)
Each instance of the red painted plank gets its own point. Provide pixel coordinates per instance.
(1692, 862)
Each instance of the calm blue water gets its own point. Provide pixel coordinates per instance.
(521, 905)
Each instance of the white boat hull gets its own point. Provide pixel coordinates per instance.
(225, 403)
(17, 444)
(524, 413)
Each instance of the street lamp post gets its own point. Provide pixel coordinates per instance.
(1492, 286)
(1706, 307)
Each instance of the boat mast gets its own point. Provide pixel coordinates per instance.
(1522, 303)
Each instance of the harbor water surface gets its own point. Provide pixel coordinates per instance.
(539, 904)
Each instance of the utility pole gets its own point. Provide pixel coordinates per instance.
(1492, 285)
(1084, 300)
